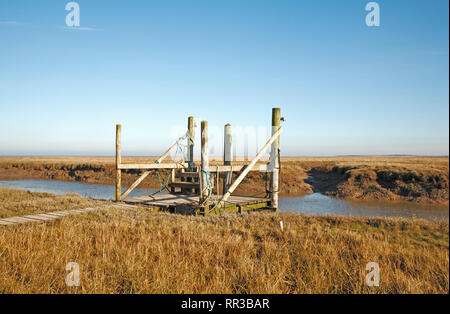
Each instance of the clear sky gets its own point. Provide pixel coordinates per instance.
(344, 87)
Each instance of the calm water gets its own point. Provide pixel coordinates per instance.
(97, 191)
(310, 204)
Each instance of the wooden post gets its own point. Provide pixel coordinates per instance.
(227, 156)
(190, 152)
(204, 171)
(172, 179)
(118, 191)
(274, 159)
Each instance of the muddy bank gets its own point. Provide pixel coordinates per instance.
(422, 180)
(426, 187)
(256, 183)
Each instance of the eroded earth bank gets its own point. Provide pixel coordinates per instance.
(413, 179)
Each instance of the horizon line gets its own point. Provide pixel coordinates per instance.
(287, 156)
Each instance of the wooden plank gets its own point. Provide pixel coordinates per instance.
(17, 220)
(164, 156)
(183, 196)
(59, 214)
(6, 223)
(52, 216)
(39, 217)
(239, 207)
(187, 175)
(155, 166)
(238, 168)
(123, 206)
(135, 184)
(175, 200)
(185, 185)
(234, 168)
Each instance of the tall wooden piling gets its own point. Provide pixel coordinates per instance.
(275, 159)
(190, 151)
(227, 156)
(205, 175)
(118, 190)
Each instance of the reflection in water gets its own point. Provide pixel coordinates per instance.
(97, 191)
(311, 204)
(321, 204)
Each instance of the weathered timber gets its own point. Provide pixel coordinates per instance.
(205, 185)
(187, 175)
(275, 158)
(46, 217)
(227, 156)
(185, 185)
(118, 189)
(190, 152)
(155, 166)
(188, 204)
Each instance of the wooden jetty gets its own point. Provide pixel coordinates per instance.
(191, 185)
(189, 204)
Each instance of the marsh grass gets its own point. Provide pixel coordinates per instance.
(20, 203)
(141, 251)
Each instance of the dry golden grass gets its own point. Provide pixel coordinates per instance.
(138, 251)
(20, 203)
(412, 162)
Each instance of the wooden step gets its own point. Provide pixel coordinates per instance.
(195, 175)
(186, 175)
(184, 185)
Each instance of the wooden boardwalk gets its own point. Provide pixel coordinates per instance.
(186, 203)
(45, 217)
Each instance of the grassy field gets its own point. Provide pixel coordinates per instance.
(413, 179)
(140, 251)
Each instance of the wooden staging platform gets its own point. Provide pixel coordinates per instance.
(188, 204)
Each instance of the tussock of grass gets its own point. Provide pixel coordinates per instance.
(138, 251)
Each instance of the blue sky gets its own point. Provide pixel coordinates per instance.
(344, 87)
